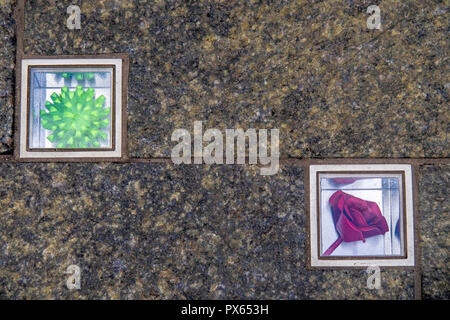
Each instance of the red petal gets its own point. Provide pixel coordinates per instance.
(347, 230)
(358, 218)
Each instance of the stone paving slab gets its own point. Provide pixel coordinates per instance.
(156, 231)
(435, 230)
(311, 69)
(7, 63)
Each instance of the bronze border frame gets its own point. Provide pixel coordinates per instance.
(113, 111)
(403, 202)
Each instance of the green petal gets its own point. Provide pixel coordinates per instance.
(68, 104)
(100, 101)
(90, 94)
(51, 138)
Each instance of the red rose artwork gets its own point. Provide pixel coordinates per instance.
(355, 219)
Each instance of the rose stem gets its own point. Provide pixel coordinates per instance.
(333, 247)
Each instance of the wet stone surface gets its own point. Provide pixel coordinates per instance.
(155, 231)
(7, 76)
(331, 86)
(435, 230)
(159, 231)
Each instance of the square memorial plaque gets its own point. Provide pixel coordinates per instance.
(361, 215)
(73, 108)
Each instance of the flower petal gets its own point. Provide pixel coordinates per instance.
(347, 231)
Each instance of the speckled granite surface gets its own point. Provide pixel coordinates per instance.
(435, 231)
(311, 69)
(141, 231)
(7, 63)
(157, 231)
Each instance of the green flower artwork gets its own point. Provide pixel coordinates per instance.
(76, 118)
